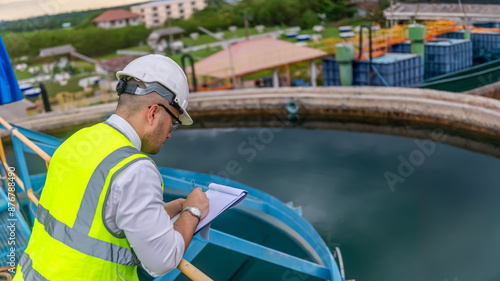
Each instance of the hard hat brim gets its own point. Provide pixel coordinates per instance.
(185, 118)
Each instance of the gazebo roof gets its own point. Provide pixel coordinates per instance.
(253, 56)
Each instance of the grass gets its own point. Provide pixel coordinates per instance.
(328, 32)
(198, 55)
(353, 22)
(84, 66)
(331, 32)
(258, 75)
(108, 56)
(20, 75)
(206, 39)
(144, 48)
(201, 54)
(72, 86)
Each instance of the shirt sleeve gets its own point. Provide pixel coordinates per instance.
(140, 214)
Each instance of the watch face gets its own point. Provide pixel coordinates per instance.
(195, 212)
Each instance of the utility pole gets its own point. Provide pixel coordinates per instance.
(392, 13)
(466, 20)
(228, 45)
(170, 38)
(245, 20)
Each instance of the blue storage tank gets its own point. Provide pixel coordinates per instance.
(447, 55)
(453, 35)
(395, 70)
(487, 24)
(485, 45)
(404, 48)
(331, 74)
(444, 55)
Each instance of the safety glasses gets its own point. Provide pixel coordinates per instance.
(176, 123)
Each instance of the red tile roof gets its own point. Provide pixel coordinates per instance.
(115, 15)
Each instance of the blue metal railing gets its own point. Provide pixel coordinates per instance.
(47, 143)
(325, 266)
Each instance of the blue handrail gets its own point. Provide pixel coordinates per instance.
(257, 201)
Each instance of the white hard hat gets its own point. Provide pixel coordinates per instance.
(161, 69)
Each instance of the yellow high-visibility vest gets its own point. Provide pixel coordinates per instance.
(70, 240)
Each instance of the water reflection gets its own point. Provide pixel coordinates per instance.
(440, 223)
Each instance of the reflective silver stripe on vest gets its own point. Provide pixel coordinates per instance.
(94, 188)
(29, 273)
(120, 233)
(84, 243)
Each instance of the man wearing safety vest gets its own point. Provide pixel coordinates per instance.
(102, 213)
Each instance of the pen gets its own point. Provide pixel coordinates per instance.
(193, 183)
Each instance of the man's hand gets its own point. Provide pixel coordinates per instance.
(186, 224)
(198, 199)
(174, 207)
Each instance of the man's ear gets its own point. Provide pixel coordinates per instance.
(151, 112)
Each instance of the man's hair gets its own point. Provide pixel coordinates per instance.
(129, 104)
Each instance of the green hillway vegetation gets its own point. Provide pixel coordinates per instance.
(43, 32)
(101, 43)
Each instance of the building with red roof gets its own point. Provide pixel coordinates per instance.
(116, 19)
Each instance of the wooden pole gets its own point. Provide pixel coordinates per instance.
(24, 139)
(30, 193)
(192, 272)
(289, 80)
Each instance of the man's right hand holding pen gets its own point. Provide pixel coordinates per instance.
(189, 218)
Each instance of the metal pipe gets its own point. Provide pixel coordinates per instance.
(370, 49)
(45, 98)
(360, 48)
(193, 75)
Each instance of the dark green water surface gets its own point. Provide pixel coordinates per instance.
(437, 218)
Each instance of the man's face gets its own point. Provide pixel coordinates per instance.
(153, 141)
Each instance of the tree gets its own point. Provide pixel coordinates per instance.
(377, 15)
(309, 19)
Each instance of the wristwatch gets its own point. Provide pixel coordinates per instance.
(193, 210)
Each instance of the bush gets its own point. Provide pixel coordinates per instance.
(90, 41)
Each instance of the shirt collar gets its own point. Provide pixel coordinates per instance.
(125, 128)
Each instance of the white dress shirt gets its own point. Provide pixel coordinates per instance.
(135, 208)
